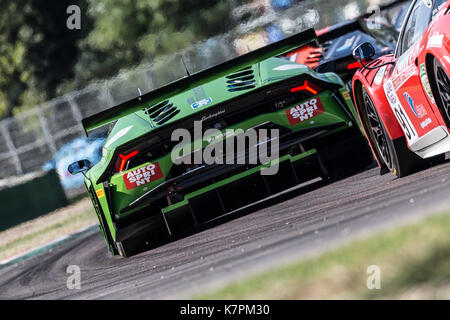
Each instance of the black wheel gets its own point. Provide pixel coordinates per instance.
(377, 132)
(442, 97)
(393, 154)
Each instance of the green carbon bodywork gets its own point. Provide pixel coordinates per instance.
(138, 124)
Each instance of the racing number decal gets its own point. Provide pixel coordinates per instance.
(402, 119)
(399, 113)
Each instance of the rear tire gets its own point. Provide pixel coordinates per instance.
(392, 154)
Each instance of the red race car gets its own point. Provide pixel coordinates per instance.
(403, 99)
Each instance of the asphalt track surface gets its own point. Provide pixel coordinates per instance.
(291, 226)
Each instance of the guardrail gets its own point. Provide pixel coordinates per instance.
(30, 198)
(31, 138)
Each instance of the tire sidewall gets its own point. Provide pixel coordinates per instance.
(394, 168)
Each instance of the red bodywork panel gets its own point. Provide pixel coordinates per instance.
(416, 112)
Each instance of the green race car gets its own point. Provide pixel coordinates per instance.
(171, 161)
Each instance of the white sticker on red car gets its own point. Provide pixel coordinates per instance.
(435, 40)
(305, 111)
(447, 58)
(142, 176)
(379, 76)
(401, 77)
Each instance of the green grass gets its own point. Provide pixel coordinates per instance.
(45, 229)
(414, 261)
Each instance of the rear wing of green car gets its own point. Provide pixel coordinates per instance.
(272, 50)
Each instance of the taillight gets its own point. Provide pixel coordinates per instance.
(354, 65)
(306, 86)
(124, 159)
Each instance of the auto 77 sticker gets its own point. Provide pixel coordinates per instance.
(305, 111)
(142, 176)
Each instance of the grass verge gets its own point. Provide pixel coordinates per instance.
(45, 229)
(414, 261)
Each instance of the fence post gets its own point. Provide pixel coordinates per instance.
(47, 136)
(12, 149)
(76, 112)
(106, 93)
(149, 79)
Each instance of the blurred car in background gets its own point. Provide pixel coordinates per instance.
(80, 148)
(334, 51)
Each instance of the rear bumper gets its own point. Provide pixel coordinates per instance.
(345, 151)
(227, 195)
(240, 190)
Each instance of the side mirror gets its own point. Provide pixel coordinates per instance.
(79, 166)
(364, 51)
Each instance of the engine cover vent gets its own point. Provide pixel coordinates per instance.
(243, 79)
(162, 112)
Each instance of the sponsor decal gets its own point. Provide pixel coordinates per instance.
(390, 94)
(426, 82)
(100, 193)
(213, 115)
(403, 76)
(142, 176)
(201, 103)
(447, 58)
(426, 122)
(304, 111)
(379, 76)
(399, 112)
(346, 95)
(406, 60)
(419, 111)
(403, 61)
(436, 40)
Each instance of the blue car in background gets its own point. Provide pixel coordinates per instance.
(80, 148)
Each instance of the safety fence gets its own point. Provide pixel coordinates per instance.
(30, 139)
